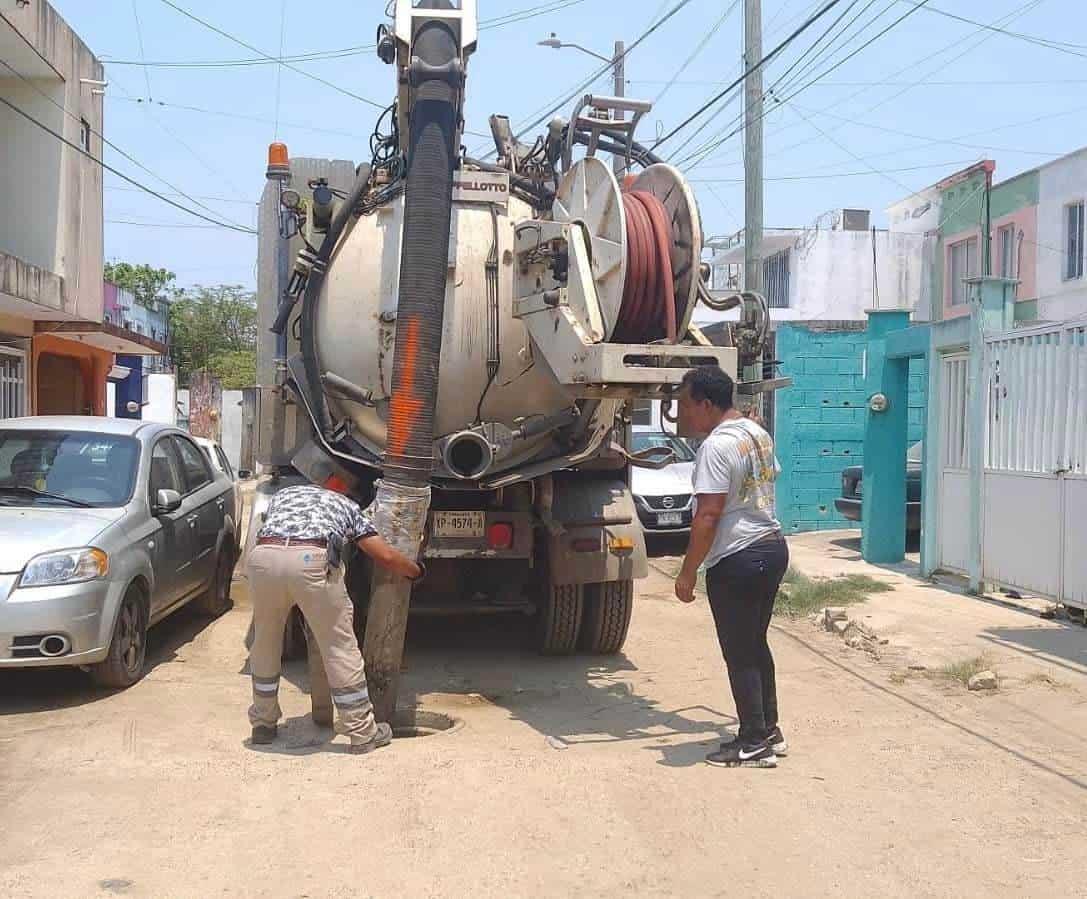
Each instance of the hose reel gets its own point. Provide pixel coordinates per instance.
(645, 245)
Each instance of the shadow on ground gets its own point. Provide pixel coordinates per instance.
(39, 689)
(579, 699)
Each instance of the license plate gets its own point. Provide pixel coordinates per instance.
(664, 519)
(460, 524)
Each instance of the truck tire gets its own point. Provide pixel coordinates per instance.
(560, 618)
(123, 666)
(608, 608)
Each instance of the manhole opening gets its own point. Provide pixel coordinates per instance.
(421, 723)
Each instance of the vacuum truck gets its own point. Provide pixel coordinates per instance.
(456, 343)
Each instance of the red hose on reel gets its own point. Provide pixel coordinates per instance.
(648, 310)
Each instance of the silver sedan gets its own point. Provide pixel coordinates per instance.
(107, 526)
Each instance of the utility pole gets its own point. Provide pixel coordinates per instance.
(619, 62)
(753, 172)
(752, 146)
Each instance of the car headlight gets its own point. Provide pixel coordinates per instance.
(70, 566)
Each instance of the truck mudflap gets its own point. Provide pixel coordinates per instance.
(594, 535)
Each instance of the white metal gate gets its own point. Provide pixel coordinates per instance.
(1034, 522)
(954, 502)
(12, 382)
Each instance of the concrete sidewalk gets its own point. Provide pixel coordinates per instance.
(937, 623)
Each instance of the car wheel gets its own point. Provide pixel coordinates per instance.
(123, 666)
(216, 599)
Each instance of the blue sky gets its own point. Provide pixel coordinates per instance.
(931, 96)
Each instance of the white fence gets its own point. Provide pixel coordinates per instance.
(12, 382)
(954, 506)
(1034, 523)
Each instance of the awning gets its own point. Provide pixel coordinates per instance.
(104, 336)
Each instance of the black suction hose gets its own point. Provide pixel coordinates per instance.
(428, 203)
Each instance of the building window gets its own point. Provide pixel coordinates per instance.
(85, 134)
(1005, 239)
(775, 279)
(1073, 241)
(962, 264)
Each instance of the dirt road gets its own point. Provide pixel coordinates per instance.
(893, 790)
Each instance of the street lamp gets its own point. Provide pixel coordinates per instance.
(617, 62)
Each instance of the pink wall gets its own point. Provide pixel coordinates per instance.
(110, 307)
(1025, 221)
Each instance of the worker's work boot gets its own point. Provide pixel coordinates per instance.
(263, 735)
(383, 736)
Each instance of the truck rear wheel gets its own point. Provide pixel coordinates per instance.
(608, 608)
(560, 618)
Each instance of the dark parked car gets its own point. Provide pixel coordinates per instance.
(849, 503)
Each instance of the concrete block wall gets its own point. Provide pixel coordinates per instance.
(819, 420)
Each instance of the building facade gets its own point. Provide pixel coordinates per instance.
(56, 353)
(1036, 237)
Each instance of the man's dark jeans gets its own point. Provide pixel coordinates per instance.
(742, 588)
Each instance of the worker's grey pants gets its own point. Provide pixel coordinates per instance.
(281, 577)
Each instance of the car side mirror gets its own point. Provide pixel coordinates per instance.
(167, 501)
(244, 474)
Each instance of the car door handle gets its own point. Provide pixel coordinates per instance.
(193, 519)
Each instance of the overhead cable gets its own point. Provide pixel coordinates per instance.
(120, 174)
(291, 66)
(76, 117)
(811, 20)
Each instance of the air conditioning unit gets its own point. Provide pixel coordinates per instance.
(856, 220)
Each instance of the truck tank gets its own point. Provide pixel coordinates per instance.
(501, 436)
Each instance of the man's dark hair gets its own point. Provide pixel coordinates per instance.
(709, 382)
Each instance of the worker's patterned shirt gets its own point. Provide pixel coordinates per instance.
(313, 513)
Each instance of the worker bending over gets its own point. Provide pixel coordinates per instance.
(297, 562)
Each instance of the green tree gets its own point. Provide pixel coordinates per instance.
(146, 283)
(215, 328)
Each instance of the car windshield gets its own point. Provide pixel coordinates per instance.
(59, 468)
(915, 451)
(643, 441)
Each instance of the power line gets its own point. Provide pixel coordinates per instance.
(780, 78)
(566, 98)
(955, 83)
(832, 175)
(159, 224)
(261, 119)
(135, 190)
(510, 18)
(242, 117)
(1060, 46)
(697, 50)
(826, 72)
(279, 68)
(288, 65)
(139, 41)
(76, 117)
(769, 56)
(185, 145)
(118, 173)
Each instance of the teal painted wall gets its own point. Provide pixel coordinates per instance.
(819, 420)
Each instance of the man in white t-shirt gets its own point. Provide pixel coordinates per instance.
(736, 535)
